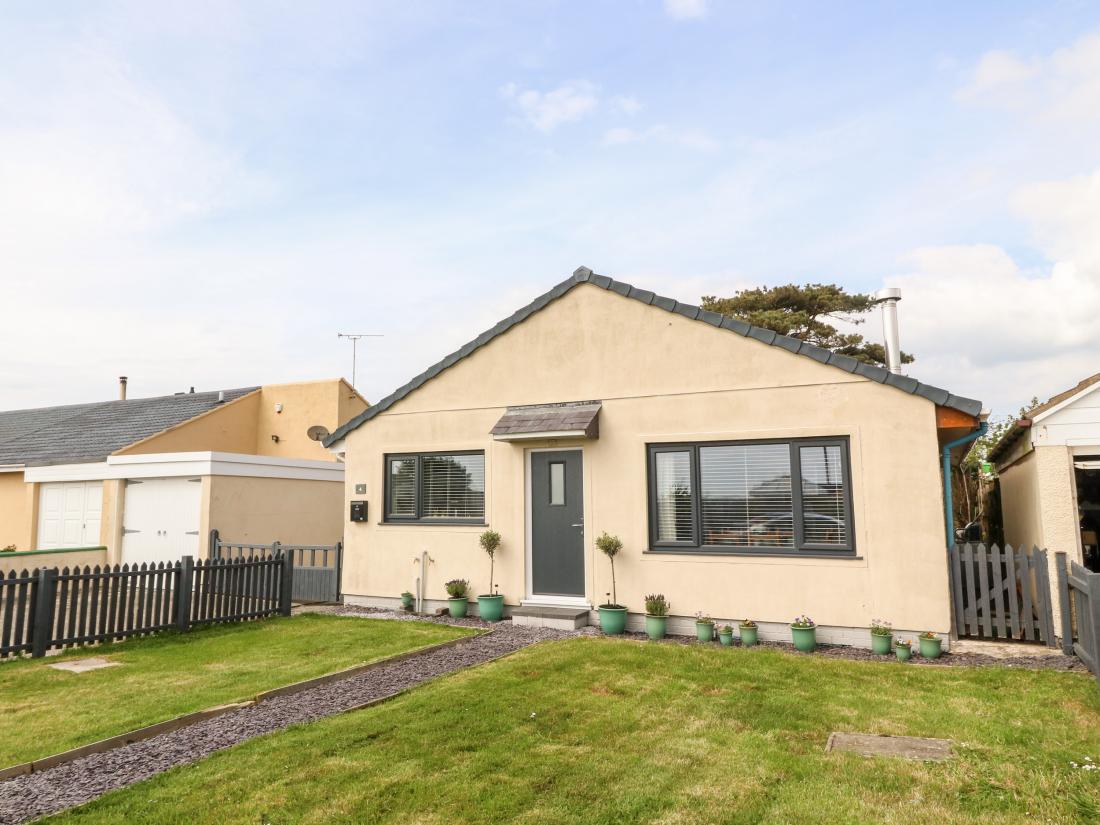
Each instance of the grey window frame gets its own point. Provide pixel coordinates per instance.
(418, 478)
(801, 546)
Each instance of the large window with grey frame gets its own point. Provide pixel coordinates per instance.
(435, 488)
(786, 497)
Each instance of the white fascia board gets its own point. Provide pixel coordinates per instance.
(541, 435)
(1061, 406)
(172, 465)
(11, 468)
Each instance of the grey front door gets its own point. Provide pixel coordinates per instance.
(557, 524)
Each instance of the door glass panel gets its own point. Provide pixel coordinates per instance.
(557, 484)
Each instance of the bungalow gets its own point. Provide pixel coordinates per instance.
(747, 473)
(145, 479)
(1048, 468)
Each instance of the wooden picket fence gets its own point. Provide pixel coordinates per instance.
(47, 608)
(1079, 591)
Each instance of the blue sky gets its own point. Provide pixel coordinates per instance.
(206, 193)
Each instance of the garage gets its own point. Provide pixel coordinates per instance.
(160, 519)
(69, 514)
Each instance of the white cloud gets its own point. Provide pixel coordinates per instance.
(548, 110)
(694, 139)
(685, 9)
(626, 104)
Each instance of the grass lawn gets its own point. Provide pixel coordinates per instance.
(47, 711)
(608, 731)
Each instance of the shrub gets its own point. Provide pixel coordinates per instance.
(456, 588)
(880, 627)
(610, 547)
(803, 622)
(406, 595)
(727, 629)
(656, 605)
(702, 618)
(8, 549)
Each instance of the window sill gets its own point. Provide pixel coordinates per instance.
(765, 554)
(440, 523)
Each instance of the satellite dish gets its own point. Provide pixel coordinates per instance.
(317, 432)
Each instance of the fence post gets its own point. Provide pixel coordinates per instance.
(287, 581)
(339, 568)
(44, 597)
(1064, 604)
(213, 550)
(184, 584)
(1093, 582)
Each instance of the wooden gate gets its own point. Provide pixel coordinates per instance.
(316, 566)
(1001, 594)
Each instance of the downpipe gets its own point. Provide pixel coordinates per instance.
(948, 496)
(421, 580)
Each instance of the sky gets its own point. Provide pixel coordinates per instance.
(205, 193)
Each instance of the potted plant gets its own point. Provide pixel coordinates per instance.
(931, 645)
(748, 632)
(904, 649)
(656, 616)
(407, 600)
(491, 606)
(725, 635)
(882, 637)
(456, 590)
(704, 627)
(804, 634)
(612, 614)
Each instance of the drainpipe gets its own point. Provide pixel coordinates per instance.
(948, 498)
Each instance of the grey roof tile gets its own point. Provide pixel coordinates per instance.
(583, 274)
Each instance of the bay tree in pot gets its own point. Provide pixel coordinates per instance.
(491, 605)
(612, 614)
(656, 616)
(456, 591)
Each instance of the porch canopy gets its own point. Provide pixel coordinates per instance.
(571, 419)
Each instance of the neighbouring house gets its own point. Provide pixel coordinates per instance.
(747, 473)
(1048, 468)
(145, 479)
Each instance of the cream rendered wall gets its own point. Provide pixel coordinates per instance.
(263, 510)
(1020, 510)
(329, 403)
(229, 428)
(51, 558)
(663, 377)
(17, 516)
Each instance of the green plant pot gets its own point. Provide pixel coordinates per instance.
(748, 636)
(612, 620)
(407, 602)
(704, 631)
(931, 648)
(804, 638)
(880, 645)
(903, 653)
(490, 608)
(656, 626)
(458, 608)
(726, 638)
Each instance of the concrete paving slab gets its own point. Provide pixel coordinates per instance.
(904, 747)
(84, 665)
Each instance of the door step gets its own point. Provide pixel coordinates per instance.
(557, 618)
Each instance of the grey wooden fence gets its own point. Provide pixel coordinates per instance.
(1001, 594)
(1079, 592)
(316, 566)
(47, 608)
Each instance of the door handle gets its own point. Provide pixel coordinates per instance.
(579, 525)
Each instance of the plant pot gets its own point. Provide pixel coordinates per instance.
(881, 643)
(655, 626)
(748, 636)
(612, 620)
(804, 638)
(407, 602)
(903, 653)
(458, 608)
(931, 648)
(490, 608)
(704, 631)
(726, 638)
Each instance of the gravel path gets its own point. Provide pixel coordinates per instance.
(33, 795)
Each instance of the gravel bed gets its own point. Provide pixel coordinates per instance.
(33, 795)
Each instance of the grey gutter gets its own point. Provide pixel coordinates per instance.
(584, 275)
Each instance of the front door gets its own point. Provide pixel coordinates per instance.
(557, 524)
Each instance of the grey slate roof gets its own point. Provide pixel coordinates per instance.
(90, 432)
(550, 418)
(584, 275)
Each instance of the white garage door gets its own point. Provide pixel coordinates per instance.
(69, 514)
(160, 519)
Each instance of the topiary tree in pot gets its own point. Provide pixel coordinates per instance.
(490, 606)
(612, 614)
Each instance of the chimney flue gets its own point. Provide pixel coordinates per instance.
(122, 388)
(888, 299)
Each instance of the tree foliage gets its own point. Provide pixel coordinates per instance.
(804, 312)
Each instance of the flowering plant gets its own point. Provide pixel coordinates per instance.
(803, 622)
(881, 627)
(726, 629)
(700, 618)
(656, 605)
(903, 643)
(748, 623)
(928, 634)
(456, 588)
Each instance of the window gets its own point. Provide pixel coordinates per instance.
(782, 497)
(435, 487)
(557, 483)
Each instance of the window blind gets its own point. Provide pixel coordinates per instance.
(402, 487)
(746, 491)
(452, 486)
(674, 498)
(824, 507)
